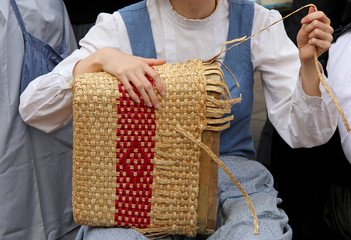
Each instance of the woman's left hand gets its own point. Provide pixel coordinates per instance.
(315, 32)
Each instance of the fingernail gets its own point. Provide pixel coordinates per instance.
(157, 106)
(163, 93)
(149, 104)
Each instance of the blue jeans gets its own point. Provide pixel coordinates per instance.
(234, 218)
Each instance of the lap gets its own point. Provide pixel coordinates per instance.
(234, 218)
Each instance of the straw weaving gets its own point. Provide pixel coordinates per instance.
(148, 169)
(131, 167)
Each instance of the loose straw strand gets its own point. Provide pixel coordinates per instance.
(236, 82)
(225, 169)
(343, 117)
(244, 39)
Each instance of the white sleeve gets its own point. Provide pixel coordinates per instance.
(46, 103)
(301, 120)
(340, 77)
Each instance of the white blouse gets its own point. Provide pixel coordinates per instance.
(338, 67)
(300, 119)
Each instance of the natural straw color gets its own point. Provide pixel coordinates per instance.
(94, 161)
(186, 112)
(176, 163)
(175, 171)
(225, 169)
(343, 117)
(244, 39)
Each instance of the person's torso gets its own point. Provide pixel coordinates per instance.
(181, 39)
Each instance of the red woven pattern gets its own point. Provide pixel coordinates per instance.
(134, 152)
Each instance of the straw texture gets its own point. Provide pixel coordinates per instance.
(138, 167)
(131, 167)
(94, 160)
(176, 172)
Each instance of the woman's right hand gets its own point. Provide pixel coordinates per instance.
(128, 69)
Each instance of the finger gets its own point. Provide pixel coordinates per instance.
(315, 16)
(124, 80)
(139, 83)
(311, 10)
(318, 25)
(153, 61)
(155, 76)
(150, 91)
(321, 35)
(321, 45)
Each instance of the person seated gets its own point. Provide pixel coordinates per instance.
(128, 42)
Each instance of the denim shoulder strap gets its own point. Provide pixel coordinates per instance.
(137, 21)
(18, 16)
(62, 49)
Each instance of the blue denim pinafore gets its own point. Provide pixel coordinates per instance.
(39, 57)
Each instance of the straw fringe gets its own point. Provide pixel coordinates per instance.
(169, 164)
(153, 233)
(217, 107)
(225, 169)
(220, 120)
(216, 89)
(164, 207)
(175, 187)
(218, 128)
(222, 103)
(176, 163)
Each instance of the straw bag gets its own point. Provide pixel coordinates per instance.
(147, 169)
(134, 166)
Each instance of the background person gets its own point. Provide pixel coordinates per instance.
(35, 168)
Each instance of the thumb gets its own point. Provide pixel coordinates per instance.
(311, 10)
(306, 18)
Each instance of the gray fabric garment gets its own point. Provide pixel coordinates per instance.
(35, 176)
(234, 218)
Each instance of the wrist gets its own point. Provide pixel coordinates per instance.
(90, 64)
(309, 79)
(307, 63)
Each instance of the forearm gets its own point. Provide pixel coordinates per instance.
(309, 78)
(90, 64)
